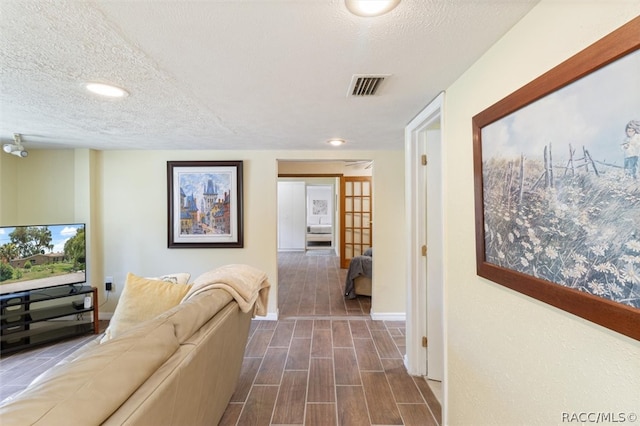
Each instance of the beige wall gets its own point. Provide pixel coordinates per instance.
(134, 219)
(510, 359)
(354, 168)
(36, 188)
(122, 195)
(8, 188)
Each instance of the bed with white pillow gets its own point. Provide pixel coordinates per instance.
(319, 233)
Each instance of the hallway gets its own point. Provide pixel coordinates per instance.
(325, 362)
(311, 283)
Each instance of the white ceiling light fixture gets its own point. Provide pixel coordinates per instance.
(336, 142)
(15, 148)
(107, 90)
(369, 8)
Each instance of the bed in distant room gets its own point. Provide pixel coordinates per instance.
(359, 275)
(319, 235)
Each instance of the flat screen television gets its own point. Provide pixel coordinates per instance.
(38, 256)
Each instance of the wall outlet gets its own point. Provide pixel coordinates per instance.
(108, 283)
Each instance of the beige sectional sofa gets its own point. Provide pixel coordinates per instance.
(179, 368)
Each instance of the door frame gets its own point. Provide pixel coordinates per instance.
(415, 188)
(333, 214)
(335, 185)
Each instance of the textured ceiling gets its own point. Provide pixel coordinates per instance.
(231, 74)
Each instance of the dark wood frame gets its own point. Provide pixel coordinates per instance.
(206, 241)
(621, 318)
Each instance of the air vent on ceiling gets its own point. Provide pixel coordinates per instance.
(366, 85)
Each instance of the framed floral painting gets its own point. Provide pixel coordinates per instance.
(557, 185)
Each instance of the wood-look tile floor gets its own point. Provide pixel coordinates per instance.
(324, 362)
(18, 369)
(312, 284)
(326, 372)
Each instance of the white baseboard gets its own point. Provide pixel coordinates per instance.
(389, 316)
(271, 316)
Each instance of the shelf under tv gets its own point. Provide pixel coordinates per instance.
(42, 315)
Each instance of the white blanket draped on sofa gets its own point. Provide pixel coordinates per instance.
(248, 286)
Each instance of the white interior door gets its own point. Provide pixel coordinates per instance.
(434, 242)
(291, 215)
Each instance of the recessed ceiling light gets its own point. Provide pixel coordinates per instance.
(336, 142)
(107, 90)
(370, 7)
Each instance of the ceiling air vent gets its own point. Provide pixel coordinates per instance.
(366, 85)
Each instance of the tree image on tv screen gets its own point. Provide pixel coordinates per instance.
(31, 240)
(33, 252)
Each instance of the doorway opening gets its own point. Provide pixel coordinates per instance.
(311, 221)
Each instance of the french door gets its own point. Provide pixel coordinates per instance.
(357, 221)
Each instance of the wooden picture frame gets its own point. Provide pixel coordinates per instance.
(557, 207)
(205, 204)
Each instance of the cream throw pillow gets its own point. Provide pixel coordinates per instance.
(143, 299)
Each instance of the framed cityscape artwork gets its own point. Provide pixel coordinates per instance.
(205, 204)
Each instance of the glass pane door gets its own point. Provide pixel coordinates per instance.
(357, 218)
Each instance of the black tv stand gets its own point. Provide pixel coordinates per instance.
(35, 317)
